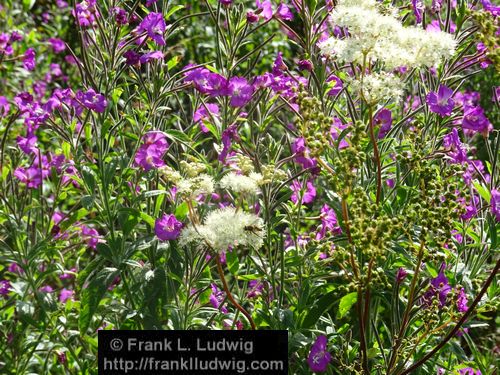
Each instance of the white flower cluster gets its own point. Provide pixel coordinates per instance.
(376, 35)
(240, 183)
(192, 187)
(382, 37)
(377, 87)
(224, 228)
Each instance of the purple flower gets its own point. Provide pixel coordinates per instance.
(329, 222)
(462, 301)
(158, 55)
(168, 228)
(31, 176)
(305, 65)
(131, 57)
(205, 112)
(65, 295)
(418, 9)
(151, 152)
(231, 133)
(457, 152)
(441, 102)
(216, 299)
(4, 287)
(85, 12)
(468, 371)
(57, 45)
(90, 235)
(489, 7)
(302, 154)
(383, 118)
(154, 25)
(226, 2)
(336, 87)
(475, 120)
(319, 357)
(240, 91)
(29, 61)
(120, 15)
(4, 106)
(495, 203)
(438, 286)
(265, 8)
(252, 17)
(308, 195)
(93, 101)
(283, 12)
(46, 289)
(401, 275)
(27, 144)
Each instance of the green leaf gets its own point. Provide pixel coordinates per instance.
(177, 135)
(233, 263)
(28, 4)
(92, 295)
(173, 10)
(181, 211)
(346, 303)
(128, 219)
(317, 309)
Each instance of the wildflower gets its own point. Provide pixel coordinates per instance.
(217, 298)
(31, 176)
(240, 91)
(302, 154)
(252, 17)
(154, 25)
(85, 13)
(319, 357)
(4, 106)
(57, 45)
(90, 235)
(46, 289)
(329, 222)
(468, 371)
(93, 101)
(475, 120)
(120, 15)
(438, 286)
(29, 61)
(441, 102)
(335, 87)
(5, 287)
(378, 87)
(190, 188)
(383, 118)
(489, 7)
(150, 153)
(240, 183)
(205, 112)
(265, 8)
(458, 152)
(158, 55)
(225, 228)
(131, 57)
(495, 204)
(231, 133)
(418, 9)
(27, 144)
(168, 228)
(401, 275)
(462, 301)
(305, 65)
(65, 295)
(308, 195)
(226, 2)
(283, 12)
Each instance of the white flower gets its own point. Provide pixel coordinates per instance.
(192, 187)
(240, 183)
(378, 86)
(375, 34)
(224, 228)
